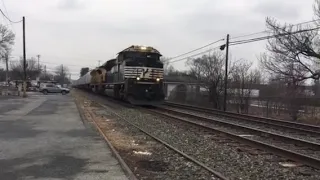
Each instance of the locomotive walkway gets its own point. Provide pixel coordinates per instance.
(43, 137)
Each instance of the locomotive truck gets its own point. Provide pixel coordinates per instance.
(135, 75)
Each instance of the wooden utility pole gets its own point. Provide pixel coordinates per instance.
(24, 58)
(7, 67)
(226, 76)
(62, 75)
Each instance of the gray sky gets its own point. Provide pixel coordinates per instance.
(81, 32)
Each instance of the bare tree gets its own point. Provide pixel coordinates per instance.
(241, 82)
(31, 69)
(47, 77)
(61, 75)
(167, 67)
(84, 71)
(209, 71)
(2, 75)
(294, 56)
(294, 45)
(6, 42)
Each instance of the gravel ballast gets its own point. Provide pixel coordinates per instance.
(147, 158)
(232, 159)
(262, 137)
(269, 128)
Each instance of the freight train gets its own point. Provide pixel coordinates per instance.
(135, 75)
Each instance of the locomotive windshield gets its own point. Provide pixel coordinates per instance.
(143, 59)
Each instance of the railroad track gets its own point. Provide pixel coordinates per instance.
(246, 148)
(294, 127)
(117, 104)
(298, 150)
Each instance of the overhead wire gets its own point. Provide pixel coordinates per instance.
(203, 52)
(246, 35)
(269, 37)
(196, 49)
(266, 31)
(8, 17)
(170, 60)
(241, 41)
(5, 8)
(50, 63)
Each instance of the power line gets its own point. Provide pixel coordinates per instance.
(239, 42)
(203, 52)
(5, 8)
(246, 35)
(306, 22)
(48, 63)
(269, 37)
(196, 49)
(60, 64)
(9, 18)
(266, 31)
(73, 73)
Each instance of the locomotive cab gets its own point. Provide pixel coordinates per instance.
(142, 73)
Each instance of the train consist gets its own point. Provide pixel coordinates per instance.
(135, 75)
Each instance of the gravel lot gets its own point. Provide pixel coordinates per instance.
(234, 160)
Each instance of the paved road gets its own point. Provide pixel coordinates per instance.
(43, 137)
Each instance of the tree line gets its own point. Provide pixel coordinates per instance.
(14, 70)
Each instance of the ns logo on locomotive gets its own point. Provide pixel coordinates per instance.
(135, 75)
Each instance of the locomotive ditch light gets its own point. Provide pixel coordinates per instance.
(138, 78)
(158, 79)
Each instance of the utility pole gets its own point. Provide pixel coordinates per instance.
(99, 63)
(7, 67)
(226, 76)
(62, 74)
(24, 58)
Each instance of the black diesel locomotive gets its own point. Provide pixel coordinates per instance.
(135, 75)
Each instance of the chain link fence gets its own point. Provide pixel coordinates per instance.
(303, 109)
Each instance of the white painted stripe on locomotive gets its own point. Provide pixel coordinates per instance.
(147, 83)
(151, 73)
(143, 78)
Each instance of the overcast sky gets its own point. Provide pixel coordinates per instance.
(80, 32)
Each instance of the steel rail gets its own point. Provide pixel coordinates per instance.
(216, 173)
(298, 157)
(250, 129)
(305, 128)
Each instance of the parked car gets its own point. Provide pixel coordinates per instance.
(32, 88)
(52, 88)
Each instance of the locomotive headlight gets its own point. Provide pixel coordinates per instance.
(138, 78)
(158, 79)
(143, 48)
